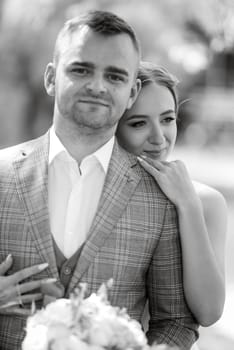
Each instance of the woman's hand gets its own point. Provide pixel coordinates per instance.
(13, 293)
(173, 179)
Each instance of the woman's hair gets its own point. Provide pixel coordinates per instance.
(151, 73)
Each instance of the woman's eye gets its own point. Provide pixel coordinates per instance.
(138, 124)
(168, 120)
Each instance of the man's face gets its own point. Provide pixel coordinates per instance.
(95, 79)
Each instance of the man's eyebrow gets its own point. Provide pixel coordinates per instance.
(82, 64)
(113, 69)
(109, 69)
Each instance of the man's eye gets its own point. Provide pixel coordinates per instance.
(80, 71)
(115, 78)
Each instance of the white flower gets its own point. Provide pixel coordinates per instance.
(81, 323)
(36, 339)
(57, 312)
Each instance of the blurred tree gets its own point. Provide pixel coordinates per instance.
(183, 35)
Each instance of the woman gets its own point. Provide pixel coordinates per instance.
(149, 130)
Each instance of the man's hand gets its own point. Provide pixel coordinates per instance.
(14, 294)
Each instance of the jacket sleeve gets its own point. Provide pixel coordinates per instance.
(171, 321)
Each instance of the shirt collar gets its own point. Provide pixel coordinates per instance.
(56, 147)
(103, 154)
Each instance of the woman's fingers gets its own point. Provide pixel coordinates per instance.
(53, 290)
(20, 300)
(156, 164)
(5, 265)
(16, 292)
(152, 169)
(15, 310)
(29, 298)
(25, 273)
(29, 286)
(10, 287)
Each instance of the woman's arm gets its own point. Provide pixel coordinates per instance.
(203, 230)
(202, 216)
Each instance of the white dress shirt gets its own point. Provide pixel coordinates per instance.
(74, 192)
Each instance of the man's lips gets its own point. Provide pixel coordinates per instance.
(94, 102)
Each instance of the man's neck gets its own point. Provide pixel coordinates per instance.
(80, 143)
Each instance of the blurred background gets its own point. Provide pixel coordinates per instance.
(193, 39)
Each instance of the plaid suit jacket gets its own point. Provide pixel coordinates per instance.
(133, 239)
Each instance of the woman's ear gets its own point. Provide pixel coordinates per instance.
(49, 79)
(134, 93)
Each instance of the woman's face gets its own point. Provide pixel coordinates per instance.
(149, 127)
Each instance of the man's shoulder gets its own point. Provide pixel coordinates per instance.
(150, 185)
(9, 154)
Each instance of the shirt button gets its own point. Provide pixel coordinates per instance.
(67, 270)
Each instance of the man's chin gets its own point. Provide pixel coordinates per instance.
(94, 125)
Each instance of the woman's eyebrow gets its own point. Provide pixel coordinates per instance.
(169, 111)
(137, 116)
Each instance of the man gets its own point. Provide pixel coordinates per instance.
(76, 200)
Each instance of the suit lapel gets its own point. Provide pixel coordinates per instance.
(119, 186)
(31, 171)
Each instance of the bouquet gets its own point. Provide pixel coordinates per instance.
(81, 323)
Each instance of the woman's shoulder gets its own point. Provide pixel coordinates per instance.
(212, 200)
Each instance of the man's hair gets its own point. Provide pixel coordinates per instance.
(102, 22)
(151, 73)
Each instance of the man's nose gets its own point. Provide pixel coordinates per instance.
(157, 135)
(96, 85)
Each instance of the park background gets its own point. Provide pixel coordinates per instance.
(193, 39)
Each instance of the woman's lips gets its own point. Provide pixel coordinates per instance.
(154, 153)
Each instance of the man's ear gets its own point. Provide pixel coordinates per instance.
(134, 93)
(49, 79)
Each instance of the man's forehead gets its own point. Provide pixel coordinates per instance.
(82, 36)
(71, 38)
(88, 46)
